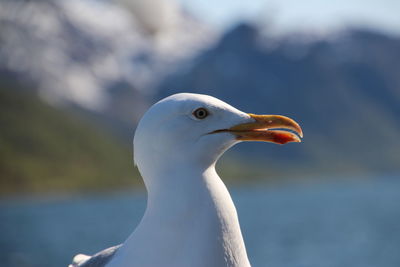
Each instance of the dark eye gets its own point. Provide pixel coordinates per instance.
(200, 113)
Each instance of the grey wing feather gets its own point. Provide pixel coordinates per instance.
(101, 258)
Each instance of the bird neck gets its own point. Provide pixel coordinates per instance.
(184, 187)
(195, 220)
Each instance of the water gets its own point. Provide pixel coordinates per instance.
(339, 224)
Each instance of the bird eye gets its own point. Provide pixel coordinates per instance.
(200, 113)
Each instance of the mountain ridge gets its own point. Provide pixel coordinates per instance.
(343, 91)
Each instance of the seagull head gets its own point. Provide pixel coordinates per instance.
(196, 129)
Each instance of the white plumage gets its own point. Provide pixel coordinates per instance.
(190, 219)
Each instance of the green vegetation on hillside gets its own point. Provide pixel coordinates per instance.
(43, 149)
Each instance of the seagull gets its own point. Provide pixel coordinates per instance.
(190, 218)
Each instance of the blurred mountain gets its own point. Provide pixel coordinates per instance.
(344, 90)
(64, 63)
(43, 149)
(97, 55)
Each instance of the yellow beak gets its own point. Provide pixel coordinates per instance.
(262, 129)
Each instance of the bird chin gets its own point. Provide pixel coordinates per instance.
(215, 145)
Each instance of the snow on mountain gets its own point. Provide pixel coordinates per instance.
(76, 50)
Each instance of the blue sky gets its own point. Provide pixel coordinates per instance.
(287, 15)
